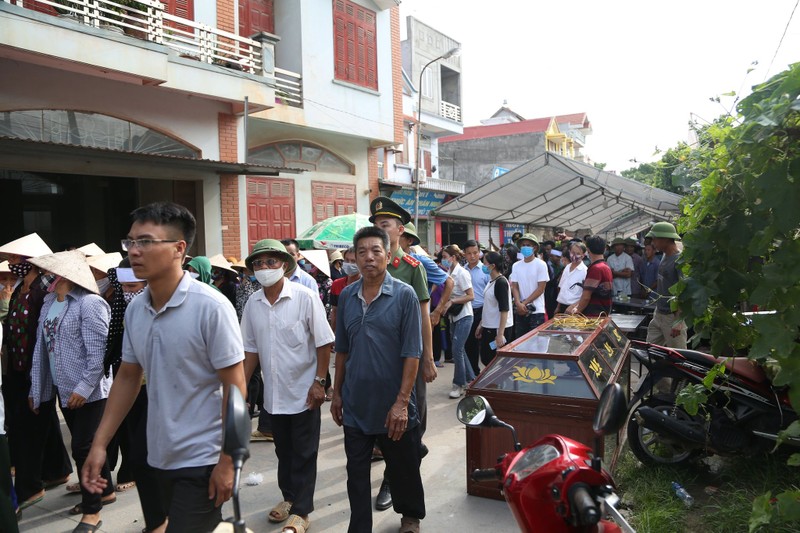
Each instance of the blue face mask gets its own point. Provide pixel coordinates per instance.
(485, 269)
(446, 264)
(301, 262)
(252, 278)
(526, 251)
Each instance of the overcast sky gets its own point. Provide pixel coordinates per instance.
(638, 68)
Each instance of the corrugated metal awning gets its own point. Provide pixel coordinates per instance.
(37, 156)
(551, 190)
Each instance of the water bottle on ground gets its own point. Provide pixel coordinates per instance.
(682, 495)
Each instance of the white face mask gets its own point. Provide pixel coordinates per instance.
(268, 277)
(351, 269)
(103, 285)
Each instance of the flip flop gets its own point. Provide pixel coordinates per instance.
(281, 512)
(85, 527)
(31, 501)
(74, 488)
(297, 524)
(49, 484)
(78, 509)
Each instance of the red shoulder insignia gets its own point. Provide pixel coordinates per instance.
(411, 261)
(396, 262)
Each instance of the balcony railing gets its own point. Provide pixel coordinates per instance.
(148, 20)
(448, 186)
(451, 111)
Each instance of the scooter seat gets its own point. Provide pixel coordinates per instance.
(741, 366)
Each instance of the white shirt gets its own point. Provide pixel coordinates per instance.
(569, 293)
(617, 263)
(181, 347)
(462, 282)
(527, 275)
(491, 308)
(286, 335)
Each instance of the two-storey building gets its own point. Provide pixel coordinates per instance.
(261, 116)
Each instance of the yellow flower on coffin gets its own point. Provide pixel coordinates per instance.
(595, 367)
(533, 374)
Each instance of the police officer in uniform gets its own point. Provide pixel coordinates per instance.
(387, 215)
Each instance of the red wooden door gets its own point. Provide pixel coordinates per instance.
(332, 200)
(41, 8)
(270, 209)
(256, 16)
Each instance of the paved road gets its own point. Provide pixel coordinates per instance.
(449, 506)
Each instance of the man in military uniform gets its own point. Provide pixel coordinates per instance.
(391, 218)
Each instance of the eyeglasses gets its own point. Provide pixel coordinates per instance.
(142, 244)
(269, 263)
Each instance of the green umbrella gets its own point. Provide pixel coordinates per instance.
(334, 232)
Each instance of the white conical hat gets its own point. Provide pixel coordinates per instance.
(4, 267)
(219, 261)
(91, 249)
(239, 265)
(28, 246)
(105, 261)
(70, 265)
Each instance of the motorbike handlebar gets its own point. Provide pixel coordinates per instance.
(584, 508)
(485, 474)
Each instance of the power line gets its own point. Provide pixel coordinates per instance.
(786, 29)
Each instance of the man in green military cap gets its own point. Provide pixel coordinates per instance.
(386, 214)
(667, 327)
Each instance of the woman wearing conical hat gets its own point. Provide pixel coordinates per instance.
(68, 363)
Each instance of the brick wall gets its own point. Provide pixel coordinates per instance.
(226, 15)
(397, 77)
(229, 187)
(372, 172)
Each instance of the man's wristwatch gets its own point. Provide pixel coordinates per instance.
(321, 381)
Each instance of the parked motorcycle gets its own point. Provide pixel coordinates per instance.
(556, 484)
(742, 416)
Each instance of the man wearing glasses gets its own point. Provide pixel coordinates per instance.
(183, 336)
(284, 327)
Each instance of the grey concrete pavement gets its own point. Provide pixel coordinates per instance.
(449, 507)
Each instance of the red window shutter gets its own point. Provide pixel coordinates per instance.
(256, 16)
(355, 44)
(180, 8)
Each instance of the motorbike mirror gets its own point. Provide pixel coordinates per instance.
(236, 431)
(475, 411)
(612, 410)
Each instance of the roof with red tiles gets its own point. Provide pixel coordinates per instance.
(536, 125)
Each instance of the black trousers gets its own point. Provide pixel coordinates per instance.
(487, 353)
(524, 324)
(8, 520)
(185, 494)
(148, 485)
(82, 424)
(35, 441)
(402, 464)
(297, 445)
(473, 345)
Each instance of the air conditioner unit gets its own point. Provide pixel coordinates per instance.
(423, 175)
(397, 148)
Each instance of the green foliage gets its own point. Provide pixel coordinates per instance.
(741, 232)
(676, 171)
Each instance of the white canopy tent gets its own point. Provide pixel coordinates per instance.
(552, 190)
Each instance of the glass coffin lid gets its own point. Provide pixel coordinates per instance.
(558, 361)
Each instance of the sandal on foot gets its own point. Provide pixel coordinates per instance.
(33, 500)
(85, 527)
(50, 483)
(280, 512)
(122, 487)
(297, 524)
(74, 488)
(78, 509)
(409, 525)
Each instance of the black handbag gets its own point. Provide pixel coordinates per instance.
(455, 309)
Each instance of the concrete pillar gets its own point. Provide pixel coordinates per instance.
(268, 42)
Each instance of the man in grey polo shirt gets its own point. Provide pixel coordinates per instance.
(378, 346)
(183, 336)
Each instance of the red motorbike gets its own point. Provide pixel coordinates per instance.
(556, 484)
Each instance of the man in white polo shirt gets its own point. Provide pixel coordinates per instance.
(184, 337)
(284, 327)
(528, 279)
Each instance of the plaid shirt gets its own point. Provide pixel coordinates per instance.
(79, 349)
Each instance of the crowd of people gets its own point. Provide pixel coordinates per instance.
(139, 353)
